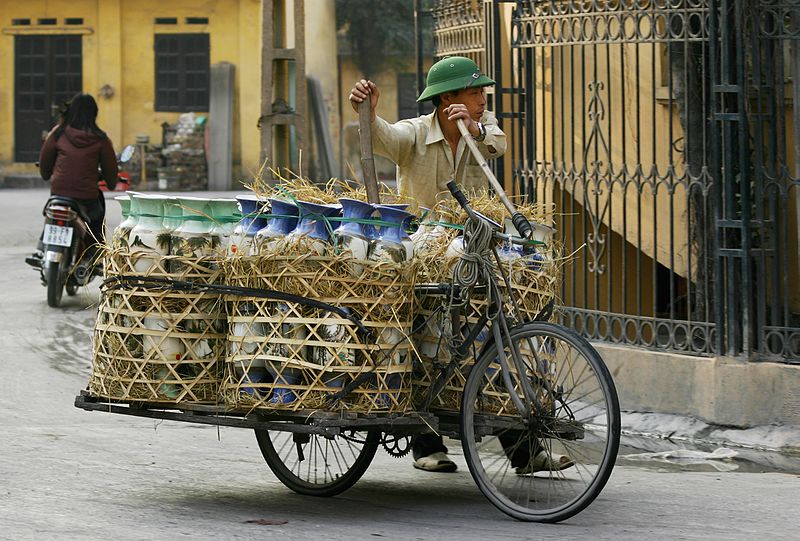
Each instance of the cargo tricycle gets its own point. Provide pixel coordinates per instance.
(515, 389)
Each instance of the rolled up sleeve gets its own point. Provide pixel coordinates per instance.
(494, 144)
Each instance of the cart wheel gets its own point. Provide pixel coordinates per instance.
(578, 417)
(316, 465)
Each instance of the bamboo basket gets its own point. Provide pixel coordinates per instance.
(118, 261)
(534, 286)
(290, 356)
(155, 345)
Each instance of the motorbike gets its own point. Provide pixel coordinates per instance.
(64, 261)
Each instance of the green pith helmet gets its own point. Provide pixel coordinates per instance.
(452, 74)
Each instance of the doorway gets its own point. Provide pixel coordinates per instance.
(47, 72)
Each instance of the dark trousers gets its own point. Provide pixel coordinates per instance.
(518, 452)
(426, 445)
(96, 211)
(518, 448)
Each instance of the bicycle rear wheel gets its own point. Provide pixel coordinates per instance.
(316, 465)
(576, 414)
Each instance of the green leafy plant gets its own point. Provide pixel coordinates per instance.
(380, 34)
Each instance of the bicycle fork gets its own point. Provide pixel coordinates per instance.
(500, 328)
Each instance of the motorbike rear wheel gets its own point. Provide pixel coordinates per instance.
(55, 287)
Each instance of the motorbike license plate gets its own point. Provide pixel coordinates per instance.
(57, 235)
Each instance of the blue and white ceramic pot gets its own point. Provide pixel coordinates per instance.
(354, 237)
(282, 220)
(251, 209)
(393, 243)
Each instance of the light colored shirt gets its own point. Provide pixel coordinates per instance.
(425, 160)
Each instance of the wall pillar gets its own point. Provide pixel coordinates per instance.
(220, 145)
(109, 68)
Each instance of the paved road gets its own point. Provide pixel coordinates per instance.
(70, 474)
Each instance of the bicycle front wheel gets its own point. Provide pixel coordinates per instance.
(549, 464)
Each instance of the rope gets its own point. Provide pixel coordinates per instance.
(476, 265)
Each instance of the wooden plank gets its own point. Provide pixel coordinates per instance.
(307, 422)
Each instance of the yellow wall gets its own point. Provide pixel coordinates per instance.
(387, 109)
(118, 51)
(234, 30)
(321, 62)
(36, 9)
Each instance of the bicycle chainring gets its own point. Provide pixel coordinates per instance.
(397, 446)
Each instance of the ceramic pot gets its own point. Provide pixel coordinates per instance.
(251, 209)
(249, 370)
(173, 213)
(224, 217)
(149, 240)
(282, 220)
(161, 350)
(354, 237)
(192, 236)
(393, 243)
(422, 228)
(534, 258)
(123, 230)
(282, 374)
(455, 248)
(333, 332)
(314, 227)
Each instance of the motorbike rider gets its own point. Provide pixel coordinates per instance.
(70, 157)
(429, 152)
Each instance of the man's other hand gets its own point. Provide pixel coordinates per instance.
(362, 90)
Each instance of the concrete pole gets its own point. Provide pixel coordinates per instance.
(109, 72)
(220, 144)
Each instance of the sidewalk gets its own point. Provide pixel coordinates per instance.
(20, 180)
(767, 448)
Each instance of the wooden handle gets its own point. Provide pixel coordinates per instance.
(367, 158)
(493, 182)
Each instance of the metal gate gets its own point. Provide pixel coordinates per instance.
(664, 135)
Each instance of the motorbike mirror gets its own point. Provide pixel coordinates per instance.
(127, 153)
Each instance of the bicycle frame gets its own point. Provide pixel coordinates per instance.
(500, 331)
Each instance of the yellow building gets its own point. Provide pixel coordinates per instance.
(146, 62)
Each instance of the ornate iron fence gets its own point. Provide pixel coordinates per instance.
(459, 29)
(768, 203)
(665, 136)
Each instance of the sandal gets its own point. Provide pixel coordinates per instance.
(544, 461)
(438, 462)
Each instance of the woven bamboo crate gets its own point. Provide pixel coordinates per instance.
(122, 262)
(156, 345)
(290, 356)
(533, 287)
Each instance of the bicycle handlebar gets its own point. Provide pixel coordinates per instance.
(459, 196)
(519, 221)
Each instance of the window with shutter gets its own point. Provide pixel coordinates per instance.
(182, 72)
